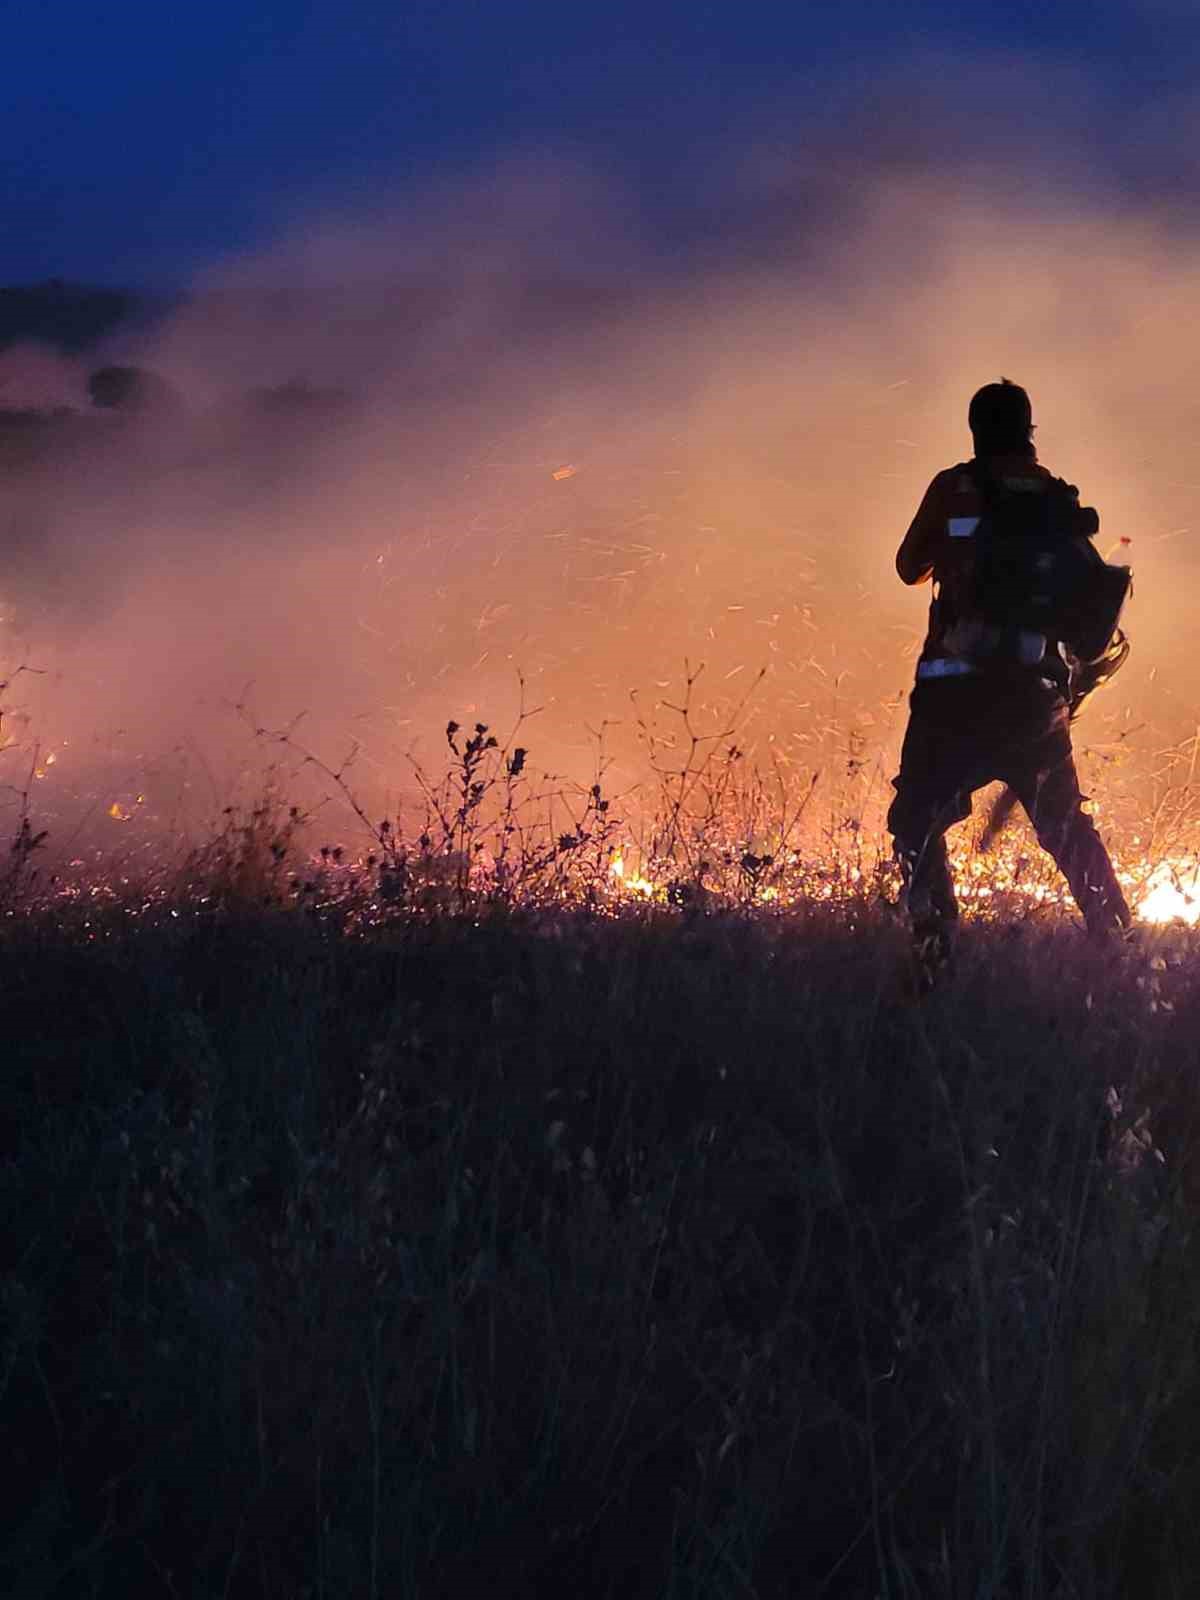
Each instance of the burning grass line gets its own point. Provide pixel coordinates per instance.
(713, 830)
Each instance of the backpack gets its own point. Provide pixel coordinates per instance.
(1036, 573)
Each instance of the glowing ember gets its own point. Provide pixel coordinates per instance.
(1172, 895)
(123, 813)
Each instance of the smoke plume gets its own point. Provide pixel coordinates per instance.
(495, 429)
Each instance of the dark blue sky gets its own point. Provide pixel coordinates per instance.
(139, 142)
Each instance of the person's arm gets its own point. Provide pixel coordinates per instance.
(915, 557)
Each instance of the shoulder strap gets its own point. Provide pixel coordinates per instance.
(986, 486)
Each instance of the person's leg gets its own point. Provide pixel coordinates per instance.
(1042, 772)
(932, 793)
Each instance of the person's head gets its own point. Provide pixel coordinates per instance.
(1001, 420)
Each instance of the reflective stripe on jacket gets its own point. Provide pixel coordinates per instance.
(938, 544)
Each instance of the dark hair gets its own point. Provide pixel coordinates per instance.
(1001, 420)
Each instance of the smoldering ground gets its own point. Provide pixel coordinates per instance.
(518, 443)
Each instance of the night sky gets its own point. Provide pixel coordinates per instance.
(141, 143)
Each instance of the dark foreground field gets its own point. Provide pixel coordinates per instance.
(649, 1256)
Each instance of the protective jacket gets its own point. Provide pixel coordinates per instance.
(938, 546)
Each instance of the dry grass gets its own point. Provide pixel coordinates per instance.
(657, 1253)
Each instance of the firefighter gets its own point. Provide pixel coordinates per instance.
(1021, 600)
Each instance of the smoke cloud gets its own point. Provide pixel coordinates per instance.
(495, 427)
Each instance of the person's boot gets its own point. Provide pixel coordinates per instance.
(933, 951)
(1106, 913)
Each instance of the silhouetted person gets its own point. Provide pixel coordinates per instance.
(1021, 601)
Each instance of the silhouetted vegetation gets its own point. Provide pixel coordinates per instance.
(133, 389)
(359, 1246)
(68, 315)
(299, 398)
(29, 437)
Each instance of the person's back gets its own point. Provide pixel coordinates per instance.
(992, 681)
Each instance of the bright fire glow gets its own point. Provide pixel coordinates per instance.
(1172, 895)
(632, 881)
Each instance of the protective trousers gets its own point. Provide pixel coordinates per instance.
(967, 732)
